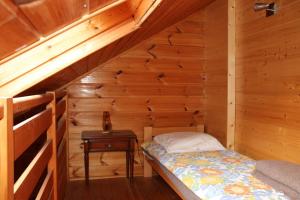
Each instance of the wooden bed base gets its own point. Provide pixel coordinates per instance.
(149, 133)
(156, 167)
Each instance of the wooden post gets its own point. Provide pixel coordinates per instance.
(147, 138)
(51, 134)
(6, 151)
(231, 76)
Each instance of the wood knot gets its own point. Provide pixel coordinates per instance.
(178, 30)
(74, 122)
(180, 66)
(119, 72)
(169, 39)
(98, 87)
(160, 76)
(151, 53)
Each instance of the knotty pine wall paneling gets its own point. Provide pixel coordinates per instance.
(157, 83)
(215, 68)
(268, 79)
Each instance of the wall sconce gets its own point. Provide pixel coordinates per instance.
(270, 8)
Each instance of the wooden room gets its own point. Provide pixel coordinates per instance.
(150, 99)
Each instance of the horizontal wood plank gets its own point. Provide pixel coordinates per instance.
(28, 180)
(28, 131)
(113, 90)
(46, 188)
(22, 104)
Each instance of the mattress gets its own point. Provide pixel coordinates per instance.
(216, 175)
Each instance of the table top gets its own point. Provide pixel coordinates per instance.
(98, 134)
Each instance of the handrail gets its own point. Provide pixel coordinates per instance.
(26, 103)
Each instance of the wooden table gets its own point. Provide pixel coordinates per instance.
(118, 140)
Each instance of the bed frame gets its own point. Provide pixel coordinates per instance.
(149, 133)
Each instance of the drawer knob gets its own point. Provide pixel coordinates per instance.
(109, 145)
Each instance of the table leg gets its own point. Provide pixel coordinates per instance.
(86, 167)
(127, 164)
(131, 165)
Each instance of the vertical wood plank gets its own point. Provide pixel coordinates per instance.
(6, 150)
(51, 134)
(147, 138)
(231, 76)
(216, 69)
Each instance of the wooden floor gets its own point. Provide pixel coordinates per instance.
(121, 189)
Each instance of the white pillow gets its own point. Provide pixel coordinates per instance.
(180, 142)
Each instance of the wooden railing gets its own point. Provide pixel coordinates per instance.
(23, 121)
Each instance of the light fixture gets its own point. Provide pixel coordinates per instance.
(270, 8)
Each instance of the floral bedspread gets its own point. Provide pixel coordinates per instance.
(217, 175)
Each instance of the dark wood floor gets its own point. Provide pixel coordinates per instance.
(120, 189)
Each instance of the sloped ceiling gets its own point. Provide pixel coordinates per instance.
(167, 14)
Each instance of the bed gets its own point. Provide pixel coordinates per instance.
(204, 175)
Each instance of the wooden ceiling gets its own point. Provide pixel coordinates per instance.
(149, 16)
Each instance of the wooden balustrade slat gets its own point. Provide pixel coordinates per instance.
(61, 129)
(28, 131)
(28, 180)
(60, 108)
(26, 103)
(46, 188)
(1, 112)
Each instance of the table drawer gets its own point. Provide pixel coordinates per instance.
(109, 145)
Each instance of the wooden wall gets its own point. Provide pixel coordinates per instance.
(268, 82)
(157, 83)
(216, 69)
